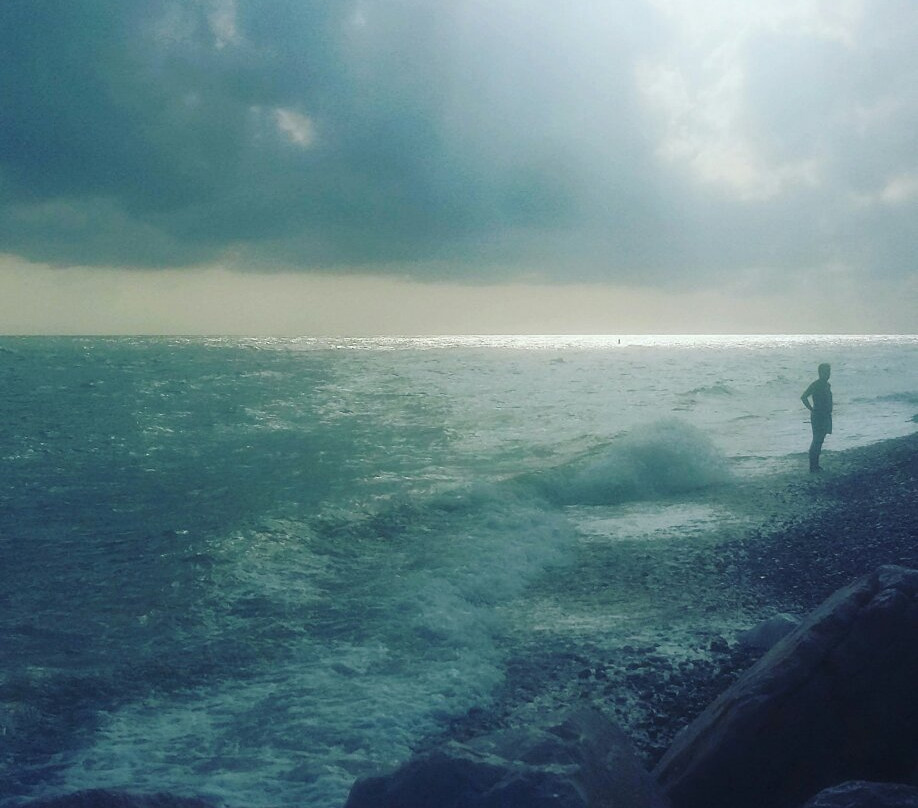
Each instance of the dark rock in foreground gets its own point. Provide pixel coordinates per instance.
(579, 762)
(768, 633)
(100, 798)
(835, 700)
(866, 795)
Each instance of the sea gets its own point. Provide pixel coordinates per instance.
(254, 570)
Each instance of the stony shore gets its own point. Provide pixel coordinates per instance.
(807, 535)
(861, 513)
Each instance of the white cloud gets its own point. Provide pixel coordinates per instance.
(176, 25)
(222, 20)
(900, 189)
(297, 128)
(702, 130)
(179, 23)
(698, 88)
(897, 191)
(701, 22)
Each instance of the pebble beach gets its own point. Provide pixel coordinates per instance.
(807, 535)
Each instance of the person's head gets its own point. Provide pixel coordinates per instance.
(825, 370)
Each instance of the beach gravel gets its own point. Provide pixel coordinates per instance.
(805, 536)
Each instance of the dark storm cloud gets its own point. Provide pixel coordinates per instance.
(463, 138)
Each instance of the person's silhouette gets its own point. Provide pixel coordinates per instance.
(820, 412)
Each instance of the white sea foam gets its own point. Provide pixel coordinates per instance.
(425, 646)
(655, 460)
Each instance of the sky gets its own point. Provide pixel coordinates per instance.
(457, 166)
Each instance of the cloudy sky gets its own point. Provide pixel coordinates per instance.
(444, 166)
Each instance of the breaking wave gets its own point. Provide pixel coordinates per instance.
(660, 459)
(718, 389)
(904, 398)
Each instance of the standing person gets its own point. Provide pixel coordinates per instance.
(820, 412)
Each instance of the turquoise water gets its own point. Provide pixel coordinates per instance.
(253, 570)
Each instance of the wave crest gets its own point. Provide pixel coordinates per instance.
(659, 459)
(719, 389)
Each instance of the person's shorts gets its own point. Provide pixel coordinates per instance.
(821, 422)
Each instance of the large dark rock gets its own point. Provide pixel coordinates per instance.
(579, 762)
(835, 700)
(859, 794)
(768, 633)
(99, 798)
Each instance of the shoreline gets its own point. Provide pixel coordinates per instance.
(798, 538)
(806, 536)
(863, 514)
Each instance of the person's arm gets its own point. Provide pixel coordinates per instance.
(805, 398)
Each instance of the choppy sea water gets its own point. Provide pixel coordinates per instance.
(254, 569)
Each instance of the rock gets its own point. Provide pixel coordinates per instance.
(835, 700)
(719, 646)
(99, 798)
(859, 794)
(767, 633)
(580, 761)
